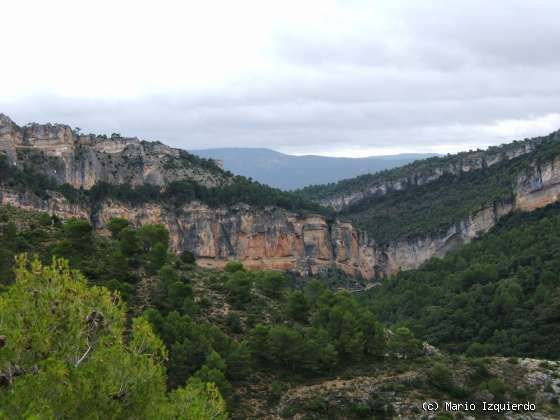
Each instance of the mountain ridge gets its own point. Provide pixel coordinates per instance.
(220, 217)
(289, 172)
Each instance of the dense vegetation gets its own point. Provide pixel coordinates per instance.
(177, 193)
(62, 355)
(435, 206)
(498, 295)
(324, 329)
(255, 335)
(425, 167)
(24, 180)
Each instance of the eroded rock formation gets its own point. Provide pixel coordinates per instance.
(262, 238)
(274, 238)
(84, 160)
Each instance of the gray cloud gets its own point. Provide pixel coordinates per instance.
(376, 77)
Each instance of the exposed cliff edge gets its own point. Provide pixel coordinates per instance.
(274, 238)
(57, 151)
(263, 237)
(345, 193)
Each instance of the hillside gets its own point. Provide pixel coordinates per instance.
(404, 216)
(289, 172)
(499, 295)
(430, 207)
(273, 348)
(350, 191)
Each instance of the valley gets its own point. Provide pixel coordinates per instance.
(249, 288)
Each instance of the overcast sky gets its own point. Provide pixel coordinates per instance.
(338, 78)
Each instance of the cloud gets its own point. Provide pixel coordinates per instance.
(324, 77)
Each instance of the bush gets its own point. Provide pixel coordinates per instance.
(187, 257)
(234, 266)
(440, 377)
(497, 387)
(234, 323)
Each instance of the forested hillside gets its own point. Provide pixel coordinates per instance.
(499, 295)
(271, 344)
(425, 208)
(426, 168)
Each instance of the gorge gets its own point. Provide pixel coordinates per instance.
(261, 237)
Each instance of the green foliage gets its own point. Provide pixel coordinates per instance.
(404, 344)
(497, 387)
(187, 257)
(234, 323)
(239, 288)
(271, 283)
(293, 348)
(195, 401)
(440, 376)
(213, 371)
(297, 307)
(497, 295)
(64, 354)
(432, 207)
(354, 331)
(199, 350)
(233, 266)
(116, 225)
(332, 329)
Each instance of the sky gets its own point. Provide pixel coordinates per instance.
(336, 78)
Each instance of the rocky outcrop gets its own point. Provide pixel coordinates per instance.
(262, 238)
(392, 393)
(63, 154)
(424, 172)
(56, 204)
(269, 238)
(274, 238)
(538, 186)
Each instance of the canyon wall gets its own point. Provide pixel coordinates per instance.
(63, 154)
(424, 172)
(262, 238)
(274, 238)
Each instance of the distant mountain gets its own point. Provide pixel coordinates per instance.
(289, 172)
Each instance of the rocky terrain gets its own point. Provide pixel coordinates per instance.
(401, 392)
(82, 161)
(347, 192)
(260, 237)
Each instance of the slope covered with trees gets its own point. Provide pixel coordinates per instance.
(420, 209)
(62, 354)
(270, 344)
(419, 168)
(497, 295)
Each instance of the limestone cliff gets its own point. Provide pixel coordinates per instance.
(57, 151)
(348, 192)
(274, 238)
(262, 238)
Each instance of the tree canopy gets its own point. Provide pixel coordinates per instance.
(65, 352)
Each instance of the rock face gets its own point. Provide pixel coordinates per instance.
(425, 172)
(55, 204)
(262, 238)
(84, 160)
(269, 238)
(274, 238)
